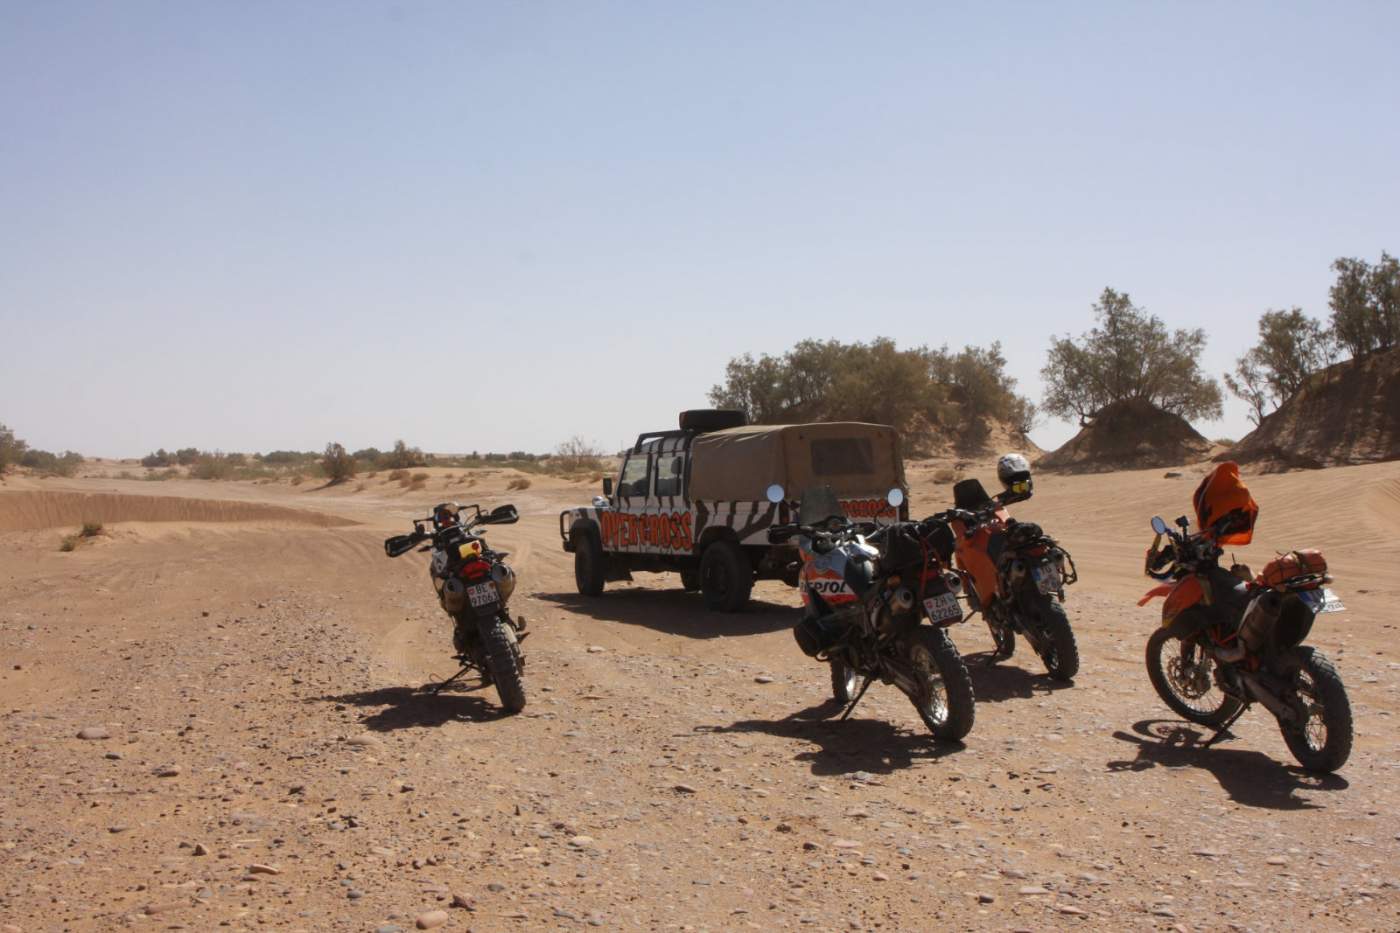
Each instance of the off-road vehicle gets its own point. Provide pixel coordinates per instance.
(694, 501)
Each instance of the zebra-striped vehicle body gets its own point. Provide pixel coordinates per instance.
(692, 501)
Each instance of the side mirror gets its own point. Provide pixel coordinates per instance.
(503, 515)
(895, 497)
(1158, 525)
(400, 544)
(775, 493)
(607, 486)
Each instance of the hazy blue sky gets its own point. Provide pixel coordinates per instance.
(491, 226)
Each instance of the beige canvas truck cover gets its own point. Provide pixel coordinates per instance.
(739, 464)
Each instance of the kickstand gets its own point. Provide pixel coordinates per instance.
(1225, 726)
(859, 693)
(438, 688)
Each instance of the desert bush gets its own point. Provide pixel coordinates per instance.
(69, 543)
(397, 476)
(126, 474)
(417, 484)
(158, 458)
(338, 465)
(187, 456)
(91, 529)
(420, 477)
(298, 479)
(1128, 355)
(1224, 441)
(212, 466)
(359, 487)
(520, 482)
(946, 476)
(160, 475)
(11, 448)
(576, 455)
(403, 456)
(45, 462)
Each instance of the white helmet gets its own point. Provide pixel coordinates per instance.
(1014, 471)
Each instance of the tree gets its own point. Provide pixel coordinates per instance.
(159, 458)
(402, 457)
(577, 454)
(337, 464)
(1128, 355)
(1365, 303)
(11, 448)
(1292, 346)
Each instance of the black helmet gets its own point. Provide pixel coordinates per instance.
(1014, 471)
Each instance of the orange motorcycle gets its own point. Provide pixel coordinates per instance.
(1229, 639)
(1014, 573)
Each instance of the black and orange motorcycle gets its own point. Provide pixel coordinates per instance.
(1013, 572)
(1229, 639)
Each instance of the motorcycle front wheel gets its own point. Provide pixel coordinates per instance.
(844, 681)
(1183, 674)
(944, 696)
(502, 651)
(1061, 654)
(1322, 742)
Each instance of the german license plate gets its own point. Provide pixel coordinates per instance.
(1047, 578)
(482, 594)
(942, 607)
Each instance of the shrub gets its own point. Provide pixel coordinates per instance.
(417, 484)
(946, 476)
(397, 476)
(520, 482)
(69, 543)
(11, 448)
(45, 462)
(298, 479)
(577, 455)
(126, 474)
(91, 529)
(157, 459)
(420, 477)
(212, 466)
(159, 475)
(403, 456)
(187, 456)
(338, 465)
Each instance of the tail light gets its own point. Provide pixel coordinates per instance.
(476, 569)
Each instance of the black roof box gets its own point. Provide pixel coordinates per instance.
(712, 419)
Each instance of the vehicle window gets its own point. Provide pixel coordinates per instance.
(633, 484)
(842, 456)
(668, 476)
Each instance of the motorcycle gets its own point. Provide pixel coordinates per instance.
(863, 619)
(473, 585)
(1014, 573)
(1229, 639)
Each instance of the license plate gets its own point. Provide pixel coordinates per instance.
(482, 594)
(1321, 600)
(942, 607)
(1047, 578)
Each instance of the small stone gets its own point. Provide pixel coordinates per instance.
(260, 869)
(845, 844)
(354, 894)
(464, 901)
(169, 771)
(495, 887)
(94, 732)
(118, 828)
(810, 846)
(986, 899)
(431, 920)
(596, 649)
(763, 679)
(1071, 910)
(297, 789)
(1276, 860)
(880, 876)
(1031, 890)
(389, 928)
(113, 756)
(362, 741)
(1172, 474)
(1163, 911)
(199, 849)
(683, 789)
(581, 842)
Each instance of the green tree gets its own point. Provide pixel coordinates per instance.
(11, 448)
(402, 457)
(337, 464)
(1365, 303)
(1129, 355)
(1291, 347)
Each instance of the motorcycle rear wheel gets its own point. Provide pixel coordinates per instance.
(1061, 655)
(946, 704)
(1184, 678)
(502, 652)
(1323, 742)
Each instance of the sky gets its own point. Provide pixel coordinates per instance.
(493, 226)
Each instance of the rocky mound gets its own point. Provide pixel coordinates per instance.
(1348, 413)
(1129, 435)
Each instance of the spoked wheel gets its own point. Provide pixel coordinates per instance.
(943, 695)
(1004, 638)
(1322, 742)
(1061, 652)
(503, 660)
(1183, 674)
(844, 681)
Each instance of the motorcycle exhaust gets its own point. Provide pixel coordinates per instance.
(505, 581)
(454, 595)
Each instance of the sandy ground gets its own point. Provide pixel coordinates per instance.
(253, 660)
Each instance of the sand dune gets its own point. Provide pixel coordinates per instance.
(36, 509)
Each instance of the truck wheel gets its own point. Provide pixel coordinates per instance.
(726, 579)
(588, 564)
(690, 580)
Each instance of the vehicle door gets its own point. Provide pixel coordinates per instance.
(666, 514)
(623, 531)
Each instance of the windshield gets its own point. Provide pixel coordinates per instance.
(819, 504)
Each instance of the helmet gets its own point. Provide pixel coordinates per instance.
(1015, 474)
(445, 514)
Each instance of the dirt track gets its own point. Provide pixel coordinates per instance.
(269, 669)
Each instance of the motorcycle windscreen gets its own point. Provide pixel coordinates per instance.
(1224, 508)
(819, 504)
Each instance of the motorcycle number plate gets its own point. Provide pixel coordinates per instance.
(1047, 578)
(482, 594)
(1322, 600)
(942, 607)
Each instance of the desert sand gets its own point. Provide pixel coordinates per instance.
(248, 661)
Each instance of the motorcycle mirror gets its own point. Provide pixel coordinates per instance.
(1158, 525)
(503, 515)
(399, 544)
(775, 493)
(607, 486)
(895, 497)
